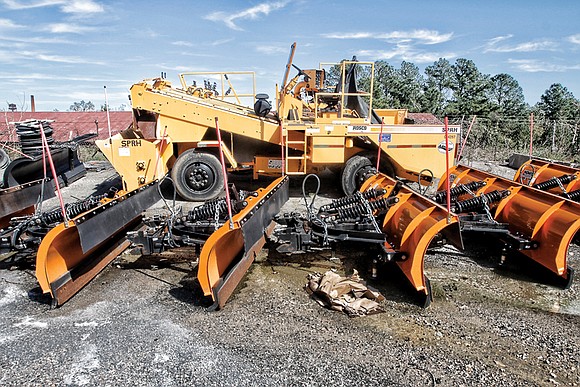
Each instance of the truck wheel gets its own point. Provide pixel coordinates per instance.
(353, 174)
(198, 176)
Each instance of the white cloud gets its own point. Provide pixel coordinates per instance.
(8, 24)
(180, 69)
(250, 13)
(406, 53)
(149, 32)
(66, 6)
(271, 50)
(182, 43)
(574, 39)
(52, 77)
(18, 5)
(536, 66)
(542, 45)
(55, 58)
(82, 7)
(418, 36)
(220, 42)
(33, 40)
(66, 28)
(498, 39)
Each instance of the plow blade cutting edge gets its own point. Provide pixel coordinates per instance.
(229, 251)
(549, 221)
(69, 257)
(21, 199)
(411, 224)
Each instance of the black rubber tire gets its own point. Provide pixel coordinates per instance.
(4, 161)
(198, 176)
(350, 176)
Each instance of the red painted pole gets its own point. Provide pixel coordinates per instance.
(223, 162)
(54, 175)
(531, 133)
(162, 145)
(466, 136)
(380, 142)
(448, 185)
(16, 151)
(283, 166)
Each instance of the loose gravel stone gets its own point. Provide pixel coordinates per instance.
(142, 325)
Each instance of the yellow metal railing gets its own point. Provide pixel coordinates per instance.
(226, 90)
(342, 95)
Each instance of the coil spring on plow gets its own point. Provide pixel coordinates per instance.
(26, 232)
(481, 202)
(345, 201)
(460, 189)
(398, 221)
(73, 253)
(551, 177)
(554, 182)
(71, 209)
(536, 224)
(209, 208)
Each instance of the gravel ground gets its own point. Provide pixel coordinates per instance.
(140, 323)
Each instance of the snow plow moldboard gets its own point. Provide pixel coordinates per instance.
(73, 253)
(559, 179)
(537, 224)
(410, 225)
(230, 250)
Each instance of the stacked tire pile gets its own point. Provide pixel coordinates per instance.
(30, 137)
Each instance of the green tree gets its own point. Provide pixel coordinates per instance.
(560, 111)
(470, 89)
(506, 95)
(437, 90)
(384, 74)
(508, 118)
(82, 106)
(407, 87)
(557, 103)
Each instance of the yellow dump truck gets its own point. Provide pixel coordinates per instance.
(323, 118)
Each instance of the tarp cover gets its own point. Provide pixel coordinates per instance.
(346, 294)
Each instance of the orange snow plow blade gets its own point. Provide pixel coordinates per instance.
(411, 224)
(229, 251)
(70, 256)
(547, 221)
(21, 199)
(561, 180)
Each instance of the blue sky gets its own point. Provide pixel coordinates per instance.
(64, 51)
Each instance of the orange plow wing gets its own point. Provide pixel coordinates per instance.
(228, 253)
(547, 221)
(411, 224)
(555, 178)
(70, 255)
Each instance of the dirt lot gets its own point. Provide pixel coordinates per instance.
(139, 323)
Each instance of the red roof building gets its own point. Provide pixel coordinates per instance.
(67, 125)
